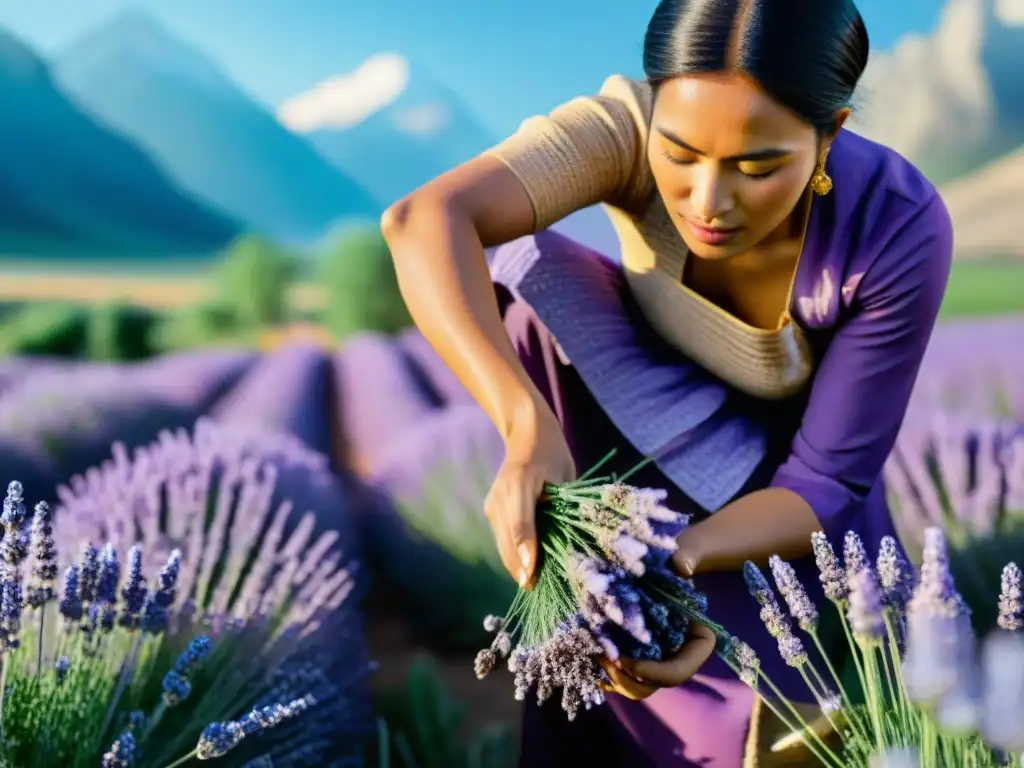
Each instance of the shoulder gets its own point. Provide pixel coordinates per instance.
(636, 96)
(884, 219)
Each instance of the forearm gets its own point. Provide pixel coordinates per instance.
(772, 521)
(445, 281)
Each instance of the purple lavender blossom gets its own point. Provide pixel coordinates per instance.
(11, 606)
(855, 555)
(939, 636)
(134, 591)
(176, 688)
(14, 546)
(44, 568)
(895, 574)
(801, 608)
(220, 738)
(192, 657)
(830, 572)
(70, 602)
(865, 609)
(123, 753)
(1011, 607)
(61, 668)
(89, 574)
(743, 657)
(790, 647)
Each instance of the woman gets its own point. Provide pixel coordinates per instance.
(780, 279)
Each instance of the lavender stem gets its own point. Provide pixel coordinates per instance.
(184, 759)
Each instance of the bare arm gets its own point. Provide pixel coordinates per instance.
(437, 237)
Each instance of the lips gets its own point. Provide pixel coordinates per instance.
(712, 235)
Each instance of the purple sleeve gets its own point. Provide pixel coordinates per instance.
(863, 384)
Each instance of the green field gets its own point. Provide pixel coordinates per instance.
(984, 288)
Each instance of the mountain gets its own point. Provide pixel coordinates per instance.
(212, 138)
(389, 124)
(69, 186)
(953, 100)
(986, 209)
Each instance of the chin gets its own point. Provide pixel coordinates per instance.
(710, 252)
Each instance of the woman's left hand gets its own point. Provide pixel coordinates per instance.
(639, 679)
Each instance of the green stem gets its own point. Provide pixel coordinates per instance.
(4, 665)
(122, 680)
(39, 646)
(855, 651)
(873, 696)
(820, 750)
(183, 760)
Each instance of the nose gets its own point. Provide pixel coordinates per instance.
(710, 196)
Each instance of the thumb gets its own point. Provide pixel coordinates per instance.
(522, 532)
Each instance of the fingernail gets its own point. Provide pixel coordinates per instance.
(524, 556)
(523, 577)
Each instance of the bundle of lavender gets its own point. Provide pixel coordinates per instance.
(916, 659)
(247, 649)
(605, 588)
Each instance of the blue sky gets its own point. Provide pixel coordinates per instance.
(506, 63)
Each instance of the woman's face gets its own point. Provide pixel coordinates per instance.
(730, 163)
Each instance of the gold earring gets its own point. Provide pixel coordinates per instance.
(821, 182)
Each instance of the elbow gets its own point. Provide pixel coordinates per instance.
(416, 214)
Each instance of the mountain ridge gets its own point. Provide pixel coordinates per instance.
(234, 155)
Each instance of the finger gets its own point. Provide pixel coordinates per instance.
(522, 534)
(685, 563)
(624, 685)
(493, 509)
(697, 649)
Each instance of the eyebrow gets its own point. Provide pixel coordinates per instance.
(761, 154)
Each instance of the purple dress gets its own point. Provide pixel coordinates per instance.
(868, 289)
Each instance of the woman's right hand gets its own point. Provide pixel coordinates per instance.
(536, 455)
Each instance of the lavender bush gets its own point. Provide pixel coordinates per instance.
(604, 588)
(966, 476)
(234, 514)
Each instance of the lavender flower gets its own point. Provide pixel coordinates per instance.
(61, 667)
(1011, 608)
(89, 574)
(14, 546)
(939, 636)
(895, 574)
(1002, 670)
(865, 609)
(123, 753)
(800, 606)
(160, 599)
(745, 660)
(70, 602)
(44, 570)
(220, 738)
(855, 555)
(831, 573)
(11, 606)
(134, 591)
(790, 647)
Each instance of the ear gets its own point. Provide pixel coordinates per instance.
(841, 117)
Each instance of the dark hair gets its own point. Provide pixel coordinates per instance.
(807, 54)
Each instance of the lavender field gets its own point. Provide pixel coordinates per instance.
(404, 459)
